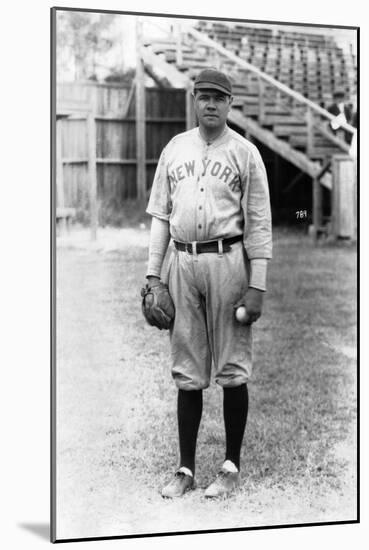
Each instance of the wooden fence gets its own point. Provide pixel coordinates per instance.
(116, 155)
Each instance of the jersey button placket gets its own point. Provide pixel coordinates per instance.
(201, 194)
(200, 209)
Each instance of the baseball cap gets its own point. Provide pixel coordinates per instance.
(213, 79)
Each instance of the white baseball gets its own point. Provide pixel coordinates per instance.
(241, 314)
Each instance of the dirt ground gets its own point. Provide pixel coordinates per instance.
(116, 431)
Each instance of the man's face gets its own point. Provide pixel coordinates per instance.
(212, 108)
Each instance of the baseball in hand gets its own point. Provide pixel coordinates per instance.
(241, 314)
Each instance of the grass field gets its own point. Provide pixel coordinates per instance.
(116, 428)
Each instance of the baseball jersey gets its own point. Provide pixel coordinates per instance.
(213, 190)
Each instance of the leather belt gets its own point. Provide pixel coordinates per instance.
(219, 246)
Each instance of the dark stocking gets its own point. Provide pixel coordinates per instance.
(189, 410)
(235, 408)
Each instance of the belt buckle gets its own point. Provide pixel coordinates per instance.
(188, 248)
(220, 248)
(194, 250)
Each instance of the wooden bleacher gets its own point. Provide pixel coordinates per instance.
(282, 83)
(310, 64)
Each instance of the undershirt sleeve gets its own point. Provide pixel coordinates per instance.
(159, 240)
(258, 267)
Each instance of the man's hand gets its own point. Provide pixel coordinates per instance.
(253, 302)
(152, 281)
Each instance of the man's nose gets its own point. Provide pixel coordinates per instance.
(211, 103)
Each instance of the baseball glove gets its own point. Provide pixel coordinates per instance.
(157, 306)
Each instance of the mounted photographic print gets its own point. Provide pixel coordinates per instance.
(204, 282)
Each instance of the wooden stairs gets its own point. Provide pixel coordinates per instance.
(285, 120)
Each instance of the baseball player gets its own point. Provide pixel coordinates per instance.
(210, 196)
(343, 112)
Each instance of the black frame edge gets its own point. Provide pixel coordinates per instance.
(205, 17)
(52, 275)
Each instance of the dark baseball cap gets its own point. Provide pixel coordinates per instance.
(213, 79)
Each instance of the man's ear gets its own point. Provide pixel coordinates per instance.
(230, 99)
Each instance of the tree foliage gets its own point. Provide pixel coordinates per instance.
(82, 38)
